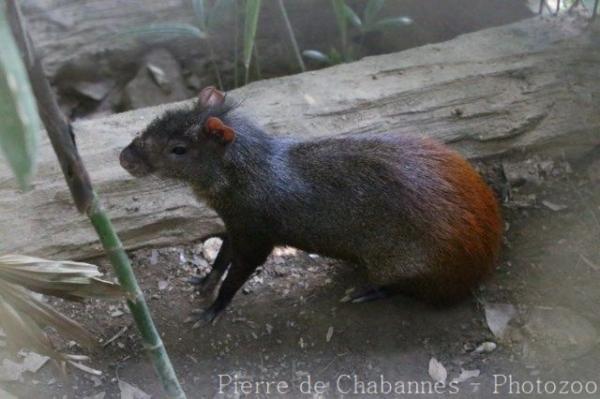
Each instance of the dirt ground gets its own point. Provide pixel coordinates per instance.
(289, 327)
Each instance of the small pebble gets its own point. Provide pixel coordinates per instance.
(486, 347)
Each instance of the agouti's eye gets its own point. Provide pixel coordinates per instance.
(179, 150)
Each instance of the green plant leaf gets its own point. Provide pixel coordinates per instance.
(250, 25)
(337, 58)
(200, 12)
(317, 56)
(372, 8)
(219, 12)
(342, 21)
(352, 16)
(165, 29)
(20, 123)
(394, 22)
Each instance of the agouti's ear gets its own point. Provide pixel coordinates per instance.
(216, 129)
(211, 97)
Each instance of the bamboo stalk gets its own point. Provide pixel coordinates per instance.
(60, 132)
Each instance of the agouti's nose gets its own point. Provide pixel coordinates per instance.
(132, 162)
(125, 159)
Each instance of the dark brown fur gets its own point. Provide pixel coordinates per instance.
(413, 212)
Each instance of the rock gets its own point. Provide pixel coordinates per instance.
(556, 334)
(200, 263)
(159, 77)
(546, 167)
(486, 347)
(520, 173)
(280, 270)
(13, 371)
(154, 257)
(497, 316)
(93, 90)
(193, 82)
(554, 207)
(437, 371)
(159, 81)
(520, 201)
(329, 334)
(129, 391)
(466, 375)
(113, 102)
(210, 249)
(285, 251)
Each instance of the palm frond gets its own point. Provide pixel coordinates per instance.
(65, 279)
(24, 316)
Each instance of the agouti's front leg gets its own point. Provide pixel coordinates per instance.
(207, 286)
(246, 259)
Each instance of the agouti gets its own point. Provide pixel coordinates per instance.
(410, 210)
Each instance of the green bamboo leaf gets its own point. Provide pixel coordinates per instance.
(20, 124)
(317, 56)
(352, 16)
(164, 29)
(372, 8)
(394, 22)
(250, 25)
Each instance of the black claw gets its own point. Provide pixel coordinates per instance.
(209, 316)
(368, 295)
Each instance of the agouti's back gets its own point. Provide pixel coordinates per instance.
(412, 211)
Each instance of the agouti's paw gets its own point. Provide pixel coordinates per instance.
(204, 317)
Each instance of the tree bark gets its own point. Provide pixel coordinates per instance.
(530, 86)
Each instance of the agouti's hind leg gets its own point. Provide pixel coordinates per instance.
(366, 295)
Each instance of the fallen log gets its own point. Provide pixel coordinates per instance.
(530, 86)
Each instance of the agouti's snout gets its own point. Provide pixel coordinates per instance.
(132, 161)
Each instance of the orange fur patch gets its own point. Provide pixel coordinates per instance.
(469, 240)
